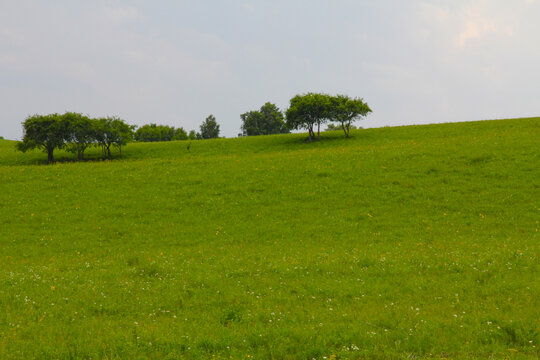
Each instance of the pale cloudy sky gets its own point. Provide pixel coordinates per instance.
(174, 62)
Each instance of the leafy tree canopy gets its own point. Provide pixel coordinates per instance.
(209, 128)
(346, 110)
(307, 110)
(113, 131)
(268, 120)
(153, 132)
(74, 132)
(81, 133)
(46, 132)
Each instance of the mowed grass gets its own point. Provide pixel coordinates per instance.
(408, 242)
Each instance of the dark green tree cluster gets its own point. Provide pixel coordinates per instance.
(209, 128)
(268, 120)
(75, 133)
(153, 132)
(312, 109)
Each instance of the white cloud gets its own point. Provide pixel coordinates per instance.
(475, 28)
(466, 22)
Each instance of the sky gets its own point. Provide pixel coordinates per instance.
(175, 62)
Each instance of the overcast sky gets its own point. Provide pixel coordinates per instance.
(175, 62)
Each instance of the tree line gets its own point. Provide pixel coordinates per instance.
(209, 129)
(75, 132)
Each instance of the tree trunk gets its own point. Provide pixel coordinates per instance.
(50, 157)
(109, 151)
(120, 149)
(80, 154)
(319, 130)
(345, 129)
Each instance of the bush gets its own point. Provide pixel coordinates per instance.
(153, 132)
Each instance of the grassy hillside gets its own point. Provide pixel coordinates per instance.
(406, 242)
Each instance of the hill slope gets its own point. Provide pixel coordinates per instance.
(417, 240)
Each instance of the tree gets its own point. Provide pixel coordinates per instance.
(148, 133)
(209, 128)
(192, 135)
(268, 120)
(153, 132)
(250, 123)
(48, 132)
(180, 134)
(112, 131)
(307, 110)
(125, 133)
(105, 136)
(81, 133)
(346, 110)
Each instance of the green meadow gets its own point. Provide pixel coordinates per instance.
(417, 242)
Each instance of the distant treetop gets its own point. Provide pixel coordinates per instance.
(209, 128)
(153, 132)
(268, 120)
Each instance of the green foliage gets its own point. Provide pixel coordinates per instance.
(82, 133)
(47, 132)
(345, 110)
(307, 110)
(266, 121)
(192, 135)
(180, 134)
(112, 131)
(209, 128)
(153, 132)
(74, 132)
(416, 242)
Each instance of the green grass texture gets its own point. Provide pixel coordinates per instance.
(416, 242)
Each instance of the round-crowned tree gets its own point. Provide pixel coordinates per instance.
(209, 128)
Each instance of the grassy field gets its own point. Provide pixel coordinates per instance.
(407, 242)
